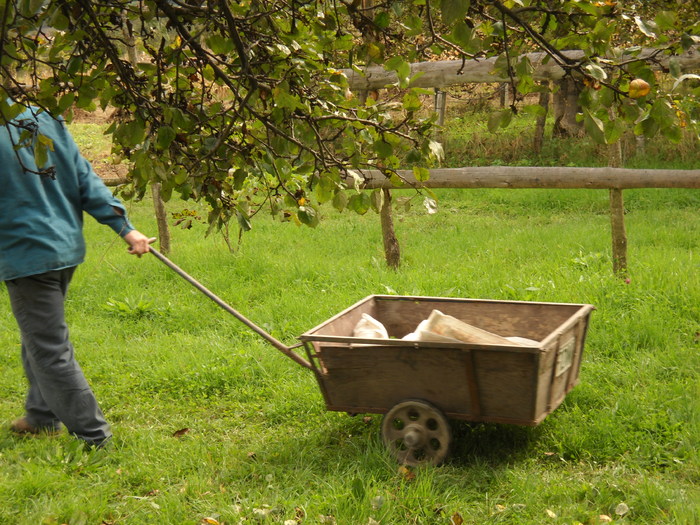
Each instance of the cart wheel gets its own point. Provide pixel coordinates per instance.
(416, 433)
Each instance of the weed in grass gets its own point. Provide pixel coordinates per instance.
(134, 308)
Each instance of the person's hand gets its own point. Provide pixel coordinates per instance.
(138, 242)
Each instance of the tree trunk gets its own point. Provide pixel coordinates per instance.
(617, 217)
(541, 121)
(566, 107)
(161, 219)
(392, 250)
(619, 234)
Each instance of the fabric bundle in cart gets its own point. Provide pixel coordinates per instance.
(440, 328)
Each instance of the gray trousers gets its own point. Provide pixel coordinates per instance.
(58, 391)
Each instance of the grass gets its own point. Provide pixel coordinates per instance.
(211, 423)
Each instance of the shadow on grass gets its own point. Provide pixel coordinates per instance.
(492, 443)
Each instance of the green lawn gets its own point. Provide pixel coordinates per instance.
(256, 444)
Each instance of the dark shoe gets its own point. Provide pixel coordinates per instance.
(22, 427)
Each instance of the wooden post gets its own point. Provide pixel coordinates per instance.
(440, 105)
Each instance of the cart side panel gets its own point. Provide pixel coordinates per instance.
(560, 364)
(375, 378)
(505, 382)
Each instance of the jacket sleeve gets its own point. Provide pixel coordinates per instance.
(95, 198)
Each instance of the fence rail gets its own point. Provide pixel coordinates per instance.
(540, 177)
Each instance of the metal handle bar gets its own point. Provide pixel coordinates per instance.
(286, 350)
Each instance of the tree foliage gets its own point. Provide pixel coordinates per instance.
(243, 103)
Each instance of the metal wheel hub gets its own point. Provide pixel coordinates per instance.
(416, 433)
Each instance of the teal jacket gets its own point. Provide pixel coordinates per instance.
(41, 219)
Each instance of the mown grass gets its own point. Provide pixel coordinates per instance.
(256, 444)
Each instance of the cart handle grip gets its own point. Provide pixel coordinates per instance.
(286, 350)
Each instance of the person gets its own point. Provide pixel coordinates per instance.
(41, 243)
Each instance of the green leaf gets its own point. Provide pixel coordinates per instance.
(382, 19)
(340, 201)
(165, 137)
(41, 154)
(453, 10)
(421, 174)
(499, 119)
(535, 109)
(220, 45)
(462, 34)
(665, 20)
(594, 127)
(411, 101)
(30, 8)
(360, 203)
(243, 222)
(383, 149)
(10, 111)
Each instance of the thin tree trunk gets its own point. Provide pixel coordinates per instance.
(619, 234)
(392, 250)
(161, 219)
(617, 217)
(541, 121)
(158, 204)
(566, 107)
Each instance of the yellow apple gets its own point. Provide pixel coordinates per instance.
(639, 88)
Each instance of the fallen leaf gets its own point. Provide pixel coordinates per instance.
(406, 473)
(456, 519)
(500, 508)
(210, 521)
(251, 455)
(291, 522)
(551, 513)
(367, 420)
(153, 492)
(372, 521)
(327, 520)
(622, 509)
(262, 513)
(604, 518)
(181, 432)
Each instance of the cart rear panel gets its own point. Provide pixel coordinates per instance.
(476, 382)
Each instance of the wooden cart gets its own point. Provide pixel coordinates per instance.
(420, 385)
